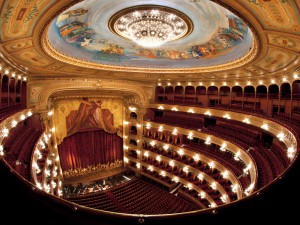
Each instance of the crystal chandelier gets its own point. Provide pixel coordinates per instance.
(150, 26)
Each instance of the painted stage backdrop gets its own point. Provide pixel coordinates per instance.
(87, 114)
(218, 36)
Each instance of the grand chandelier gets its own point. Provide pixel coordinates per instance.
(150, 26)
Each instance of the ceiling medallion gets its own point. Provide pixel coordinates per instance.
(150, 26)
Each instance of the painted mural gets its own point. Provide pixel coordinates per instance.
(75, 69)
(18, 17)
(100, 113)
(55, 66)
(218, 36)
(281, 15)
(285, 42)
(18, 45)
(276, 60)
(32, 57)
(255, 70)
(34, 92)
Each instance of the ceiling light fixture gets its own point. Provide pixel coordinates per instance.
(150, 26)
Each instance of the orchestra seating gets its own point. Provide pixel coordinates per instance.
(136, 196)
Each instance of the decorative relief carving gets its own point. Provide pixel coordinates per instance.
(99, 85)
(132, 100)
(279, 14)
(285, 42)
(139, 92)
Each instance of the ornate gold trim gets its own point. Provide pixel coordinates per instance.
(49, 50)
(52, 52)
(51, 88)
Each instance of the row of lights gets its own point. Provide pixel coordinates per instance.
(200, 176)
(13, 123)
(211, 164)
(196, 157)
(261, 82)
(13, 74)
(290, 152)
(42, 144)
(190, 136)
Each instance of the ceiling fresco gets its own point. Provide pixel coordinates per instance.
(276, 14)
(18, 18)
(26, 25)
(218, 36)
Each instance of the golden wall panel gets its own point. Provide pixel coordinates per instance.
(76, 69)
(34, 91)
(18, 45)
(281, 15)
(284, 41)
(32, 57)
(18, 17)
(276, 60)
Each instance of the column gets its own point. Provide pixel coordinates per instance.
(140, 118)
(254, 99)
(279, 98)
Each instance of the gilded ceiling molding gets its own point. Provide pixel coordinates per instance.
(49, 50)
(253, 53)
(52, 88)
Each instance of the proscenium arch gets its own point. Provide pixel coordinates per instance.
(52, 88)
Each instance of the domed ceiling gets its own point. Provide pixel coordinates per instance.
(216, 36)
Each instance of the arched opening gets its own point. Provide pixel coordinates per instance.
(189, 94)
(133, 130)
(201, 95)
(261, 91)
(169, 92)
(273, 91)
(212, 92)
(133, 142)
(237, 91)
(159, 94)
(179, 94)
(285, 91)
(223, 95)
(200, 90)
(189, 90)
(4, 91)
(249, 91)
(274, 94)
(236, 101)
(296, 96)
(11, 88)
(23, 94)
(18, 92)
(133, 115)
(296, 89)
(224, 91)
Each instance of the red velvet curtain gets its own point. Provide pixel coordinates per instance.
(83, 149)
